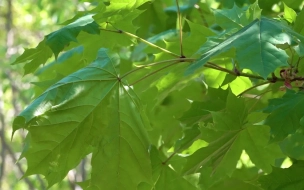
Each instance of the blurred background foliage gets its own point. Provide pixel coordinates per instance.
(24, 23)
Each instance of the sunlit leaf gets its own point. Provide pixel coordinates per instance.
(257, 41)
(230, 135)
(289, 14)
(89, 111)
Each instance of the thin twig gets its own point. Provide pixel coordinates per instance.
(107, 30)
(271, 79)
(259, 95)
(150, 44)
(197, 137)
(157, 63)
(142, 40)
(202, 15)
(180, 29)
(253, 87)
(155, 72)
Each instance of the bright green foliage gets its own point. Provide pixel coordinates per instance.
(289, 14)
(232, 132)
(34, 57)
(151, 112)
(237, 17)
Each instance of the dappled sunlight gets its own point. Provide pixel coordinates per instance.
(244, 161)
(195, 146)
(286, 163)
(182, 95)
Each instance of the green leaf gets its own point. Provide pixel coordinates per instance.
(285, 114)
(34, 57)
(236, 185)
(237, 17)
(61, 38)
(293, 146)
(289, 14)
(215, 101)
(108, 39)
(231, 134)
(256, 41)
(299, 23)
(89, 111)
(139, 51)
(287, 179)
(166, 178)
(153, 20)
(239, 85)
(190, 135)
(56, 70)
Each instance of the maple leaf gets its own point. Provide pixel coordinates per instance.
(89, 111)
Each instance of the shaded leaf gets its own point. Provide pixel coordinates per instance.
(287, 179)
(293, 146)
(166, 178)
(285, 114)
(230, 134)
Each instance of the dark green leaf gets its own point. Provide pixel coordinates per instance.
(257, 41)
(62, 37)
(35, 57)
(285, 114)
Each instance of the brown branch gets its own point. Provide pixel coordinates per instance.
(157, 63)
(271, 79)
(142, 40)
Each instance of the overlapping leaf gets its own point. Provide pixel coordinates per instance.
(56, 70)
(166, 178)
(258, 41)
(88, 111)
(233, 131)
(287, 179)
(285, 114)
(59, 39)
(34, 57)
(237, 18)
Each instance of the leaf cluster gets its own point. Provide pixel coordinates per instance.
(192, 95)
